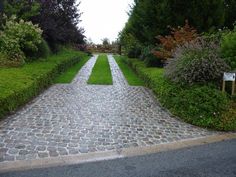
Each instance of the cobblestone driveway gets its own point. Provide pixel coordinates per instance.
(80, 118)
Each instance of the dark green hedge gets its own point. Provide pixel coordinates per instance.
(19, 85)
(201, 105)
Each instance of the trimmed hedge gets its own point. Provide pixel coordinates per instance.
(201, 105)
(19, 85)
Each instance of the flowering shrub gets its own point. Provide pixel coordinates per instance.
(19, 40)
(26, 34)
(196, 62)
(11, 55)
(178, 36)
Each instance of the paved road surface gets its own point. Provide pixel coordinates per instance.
(212, 160)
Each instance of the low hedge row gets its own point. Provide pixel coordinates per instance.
(201, 105)
(19, 85)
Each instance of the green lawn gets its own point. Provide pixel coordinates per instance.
(69, 75)
(101, 73)
(21, 84)
(128, 72)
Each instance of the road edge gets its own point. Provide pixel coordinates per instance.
(109, 155)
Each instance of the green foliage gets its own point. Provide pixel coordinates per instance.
(43, 50)
(18, 41)
(19, 85)
(149, 18)
(130, 45)
(228, 48)
(199, 105)
(24, 10)
(10, 51)
(128, 72)
(230, 15)
(196, 62)
(150, 59)
(101, 72)
(58, 19)
(26, 34)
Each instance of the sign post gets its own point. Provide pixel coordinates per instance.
(229, 77)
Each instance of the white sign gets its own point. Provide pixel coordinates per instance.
(229, 76)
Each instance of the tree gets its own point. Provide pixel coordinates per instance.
(105, 41)
(230, 16)
(149, 18)
(59, 21)
(21, 9)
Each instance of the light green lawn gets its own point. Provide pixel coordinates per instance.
(128, 72)
(101, 73)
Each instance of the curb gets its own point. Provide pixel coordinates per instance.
(109, 155)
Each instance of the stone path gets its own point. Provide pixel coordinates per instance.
(79, 118)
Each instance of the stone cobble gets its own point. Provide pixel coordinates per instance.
(76, 118)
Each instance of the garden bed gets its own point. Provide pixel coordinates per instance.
(201, 105)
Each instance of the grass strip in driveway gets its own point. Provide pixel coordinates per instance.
(69, 75)
(128, 72)
(101, 73)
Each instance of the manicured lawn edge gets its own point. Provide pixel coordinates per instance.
(128, 72)
(201, 105)
(69, 74)
(20, 85)
(101, 72)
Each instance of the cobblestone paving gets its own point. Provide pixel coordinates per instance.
(79, 118)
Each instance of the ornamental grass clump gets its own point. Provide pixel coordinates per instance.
(198, 62)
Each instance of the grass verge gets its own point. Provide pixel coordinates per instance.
(19, 85)
(101, 72)
(201, 105)
(128, 72)
(69, 74)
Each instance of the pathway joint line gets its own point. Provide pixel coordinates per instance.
(111, 155)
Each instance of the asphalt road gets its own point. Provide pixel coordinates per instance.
(211, 160)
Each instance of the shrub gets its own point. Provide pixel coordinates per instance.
(177, 37)
(228, 48)
(43, 50)
(26, 34)
(11, 55)
(196, 62)
(131, 47)
(134, 52)
(150, 59)
(199, 105)
(202, 105)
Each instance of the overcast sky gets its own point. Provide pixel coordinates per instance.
(103, 18)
